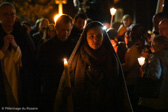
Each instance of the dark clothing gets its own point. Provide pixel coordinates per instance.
(157, 69)
(75, 34)
(50, 66)
(121, 51)
(3, 101)
(96, 77)
(27, 49)
(36, 38)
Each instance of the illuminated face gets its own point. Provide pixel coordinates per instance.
(80, 23)
(127, 22)
(163, 29)
(153, 47)
(63, 31)
(43, 24)
(51, 33)
(95, 37)
(7, 16)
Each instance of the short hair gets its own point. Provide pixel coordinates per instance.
(63, 19)
(161, 41)
(80, 15)
(6, 4)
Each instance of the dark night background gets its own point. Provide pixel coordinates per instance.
(141, 11)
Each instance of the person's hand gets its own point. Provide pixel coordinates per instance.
(12, 41)
(6, 43)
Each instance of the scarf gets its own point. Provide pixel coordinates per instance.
(94, 57)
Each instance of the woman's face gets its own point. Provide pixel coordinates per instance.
(95, 37)
(127, 22)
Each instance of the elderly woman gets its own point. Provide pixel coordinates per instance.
(157, 70)
(96, 76)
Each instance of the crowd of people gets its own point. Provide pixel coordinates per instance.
(103, 68)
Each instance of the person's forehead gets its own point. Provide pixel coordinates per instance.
(65, 25)
(95, 30)
(7, 8)
(80, 19)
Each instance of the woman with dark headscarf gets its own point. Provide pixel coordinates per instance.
(97, 79)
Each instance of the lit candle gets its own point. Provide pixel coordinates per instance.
(112, 11)
(66, 70)
(141, 60)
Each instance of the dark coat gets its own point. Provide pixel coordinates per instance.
(75, 34)
(27, 49)
(50, 67)
(115, 96)
(157, 69)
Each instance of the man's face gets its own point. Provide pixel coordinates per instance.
(63, 31)
(163, 29)
(80, 23)
(7, 16)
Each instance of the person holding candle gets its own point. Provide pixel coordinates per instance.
(156, 69)
(96, 76)
(50, 60)
(131, 66)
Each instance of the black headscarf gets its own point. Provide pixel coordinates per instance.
(112, 65)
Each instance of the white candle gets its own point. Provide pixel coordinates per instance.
(65, 62)
(66, 70)
(141, 60)
(68, 84)
(113, 11)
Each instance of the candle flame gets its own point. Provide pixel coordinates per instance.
(113, 11)
(65, 61)
(141, 60)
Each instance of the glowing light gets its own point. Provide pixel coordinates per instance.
(65, 61)
(162, 5)
(104, 27)
(113, 11)
(56, 17)
(141, 60)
